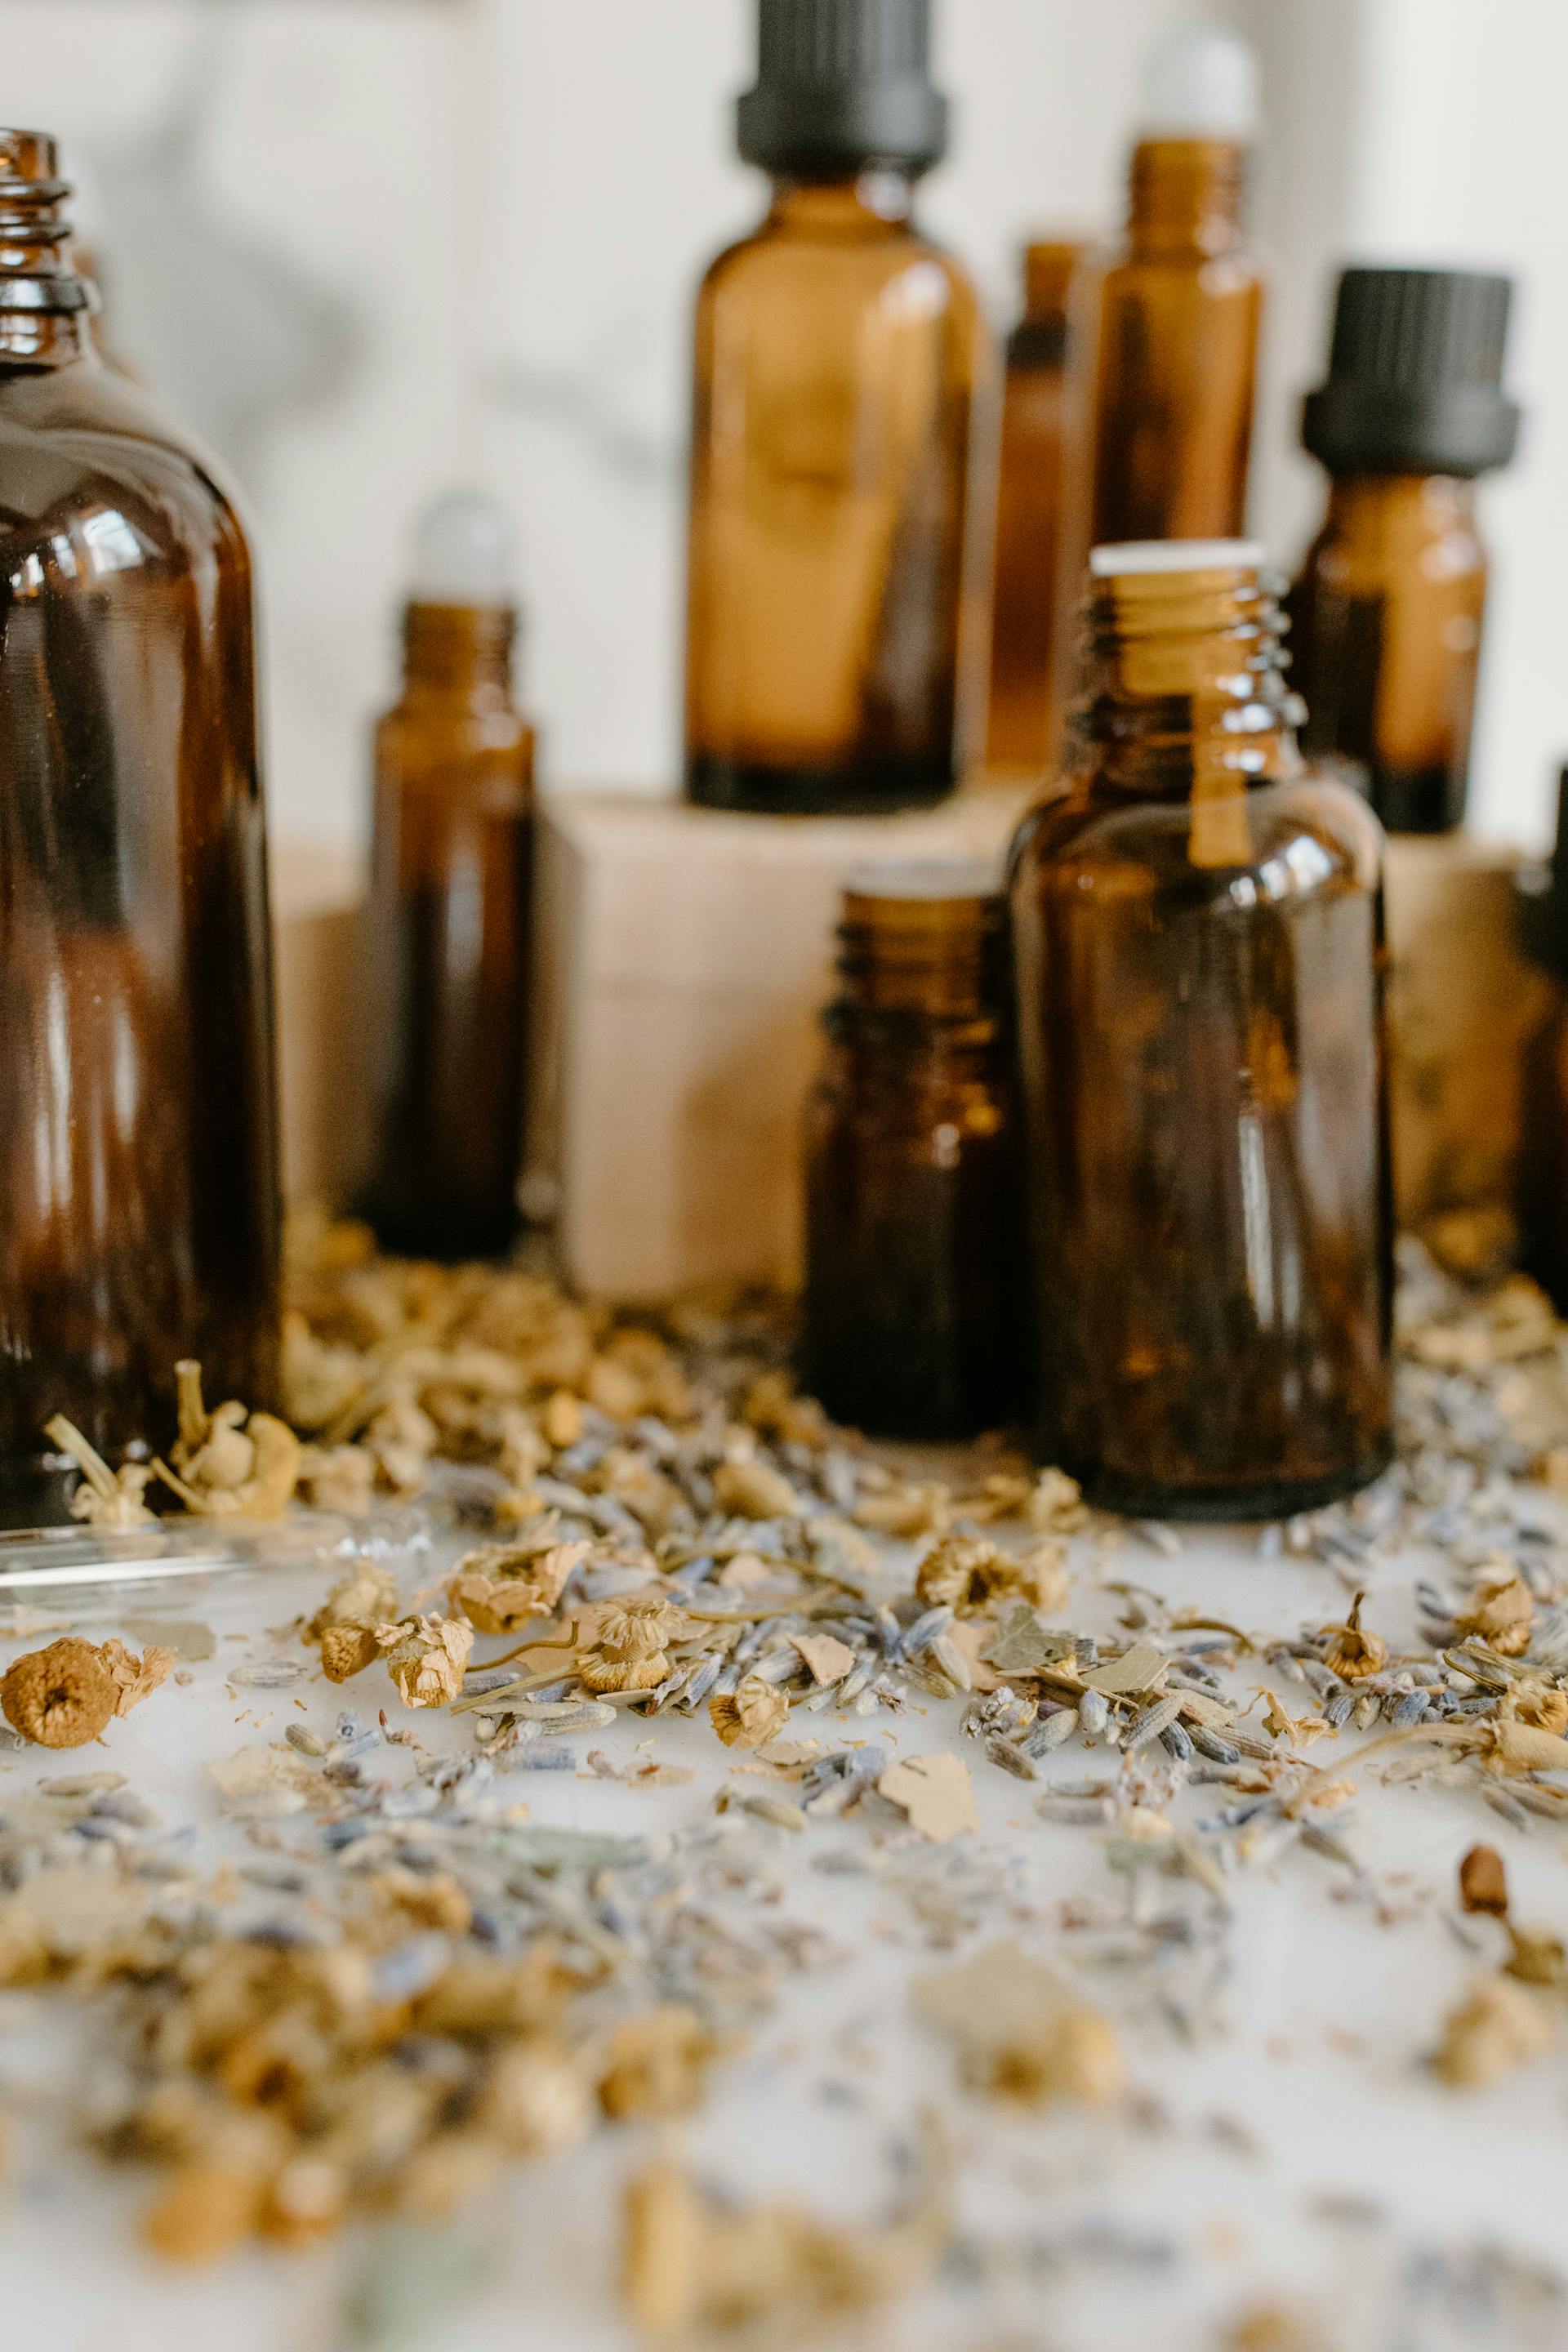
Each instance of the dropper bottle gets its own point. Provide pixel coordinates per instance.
(448, 915)
(1173, 360)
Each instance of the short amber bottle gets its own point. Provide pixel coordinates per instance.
(836, 356)
(1028, 514)
(913, 1316)
(139, 1201)
(1198, 928)
(1542, 1184)
(450, 907)
(1387, 615)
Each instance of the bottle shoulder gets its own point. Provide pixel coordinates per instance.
(771, 261)
(85, 452)
(1305, 833)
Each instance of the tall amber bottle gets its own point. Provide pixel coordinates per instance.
(837, 357)
(913, 1321)
(448, 917)
(1175, 348)
(1199, 936)
(1028, 514)
(139, 1206)
(1387, 615)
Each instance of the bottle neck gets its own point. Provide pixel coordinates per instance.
(45, 301)
(1186, 198)
(1433, 501)
(864, 204)
(1182, 693)
(909, 961)
(459, 652)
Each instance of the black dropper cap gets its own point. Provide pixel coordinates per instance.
(1415, 376)
(843, 84)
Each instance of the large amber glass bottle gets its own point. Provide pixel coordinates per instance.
(1387, 612)
(1028, 514)
(1199, 937)
(139, 1211)
(449, 914)
(913, 1315)
(836, 356)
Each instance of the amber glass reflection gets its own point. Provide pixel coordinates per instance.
(836, 353)
(449, 932)
(1028, 512)
(138, 1161)
(1387, 632)
(914, 1207)
(1199, 936)
(1177, 353)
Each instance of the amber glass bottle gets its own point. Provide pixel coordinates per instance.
(1028, 511)
(1177, 354)
(1541, 1188)
(1199, 938)
(1387, 615)
(138, 1208)
(448, 917)
(913, 1315)
(837, 357)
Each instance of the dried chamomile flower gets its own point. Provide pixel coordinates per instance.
(906, 1511)
(1500, 2026)
(230, 1463)
(337, 1479)
(629, 1650)
(403, 1437)
(750, 1488)
(1350, 1652)
(366, 1596)
(1039, 1575)
(1020, 2034)
(1501, 1610)
(751, 1715)
(774, 1409)
(957, 1572)
(319, 1382)
(106, 1498)
(657, 2065)
(633, 1480)
(1057, 1505)
(347, 1650)
(134, 1678)
(425, 1657)
(537, 2099)
(502, 1586)
(60, 1697)
(1533, 1699)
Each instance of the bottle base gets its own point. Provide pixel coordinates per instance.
(857, 788)
(1279, 1498)
(446, 1240)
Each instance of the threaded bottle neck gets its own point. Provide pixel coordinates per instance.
(1183, 691)
(44, 298)
(1186, 198)
(459, 649)
(922, 944)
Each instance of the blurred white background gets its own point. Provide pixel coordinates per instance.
(371, 247)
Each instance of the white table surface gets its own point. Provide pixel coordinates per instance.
(1300, 2150)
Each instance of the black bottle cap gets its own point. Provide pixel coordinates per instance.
(1415, 376)
(1542, 898)
(842, 84)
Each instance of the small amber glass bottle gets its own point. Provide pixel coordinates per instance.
(913, 1318)
(837, 357)
(1198, 929)
(1174, 362)
(139, 1201)
(448, 915)
(1028, 511)
(1542, 1186)
(1387, 615)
